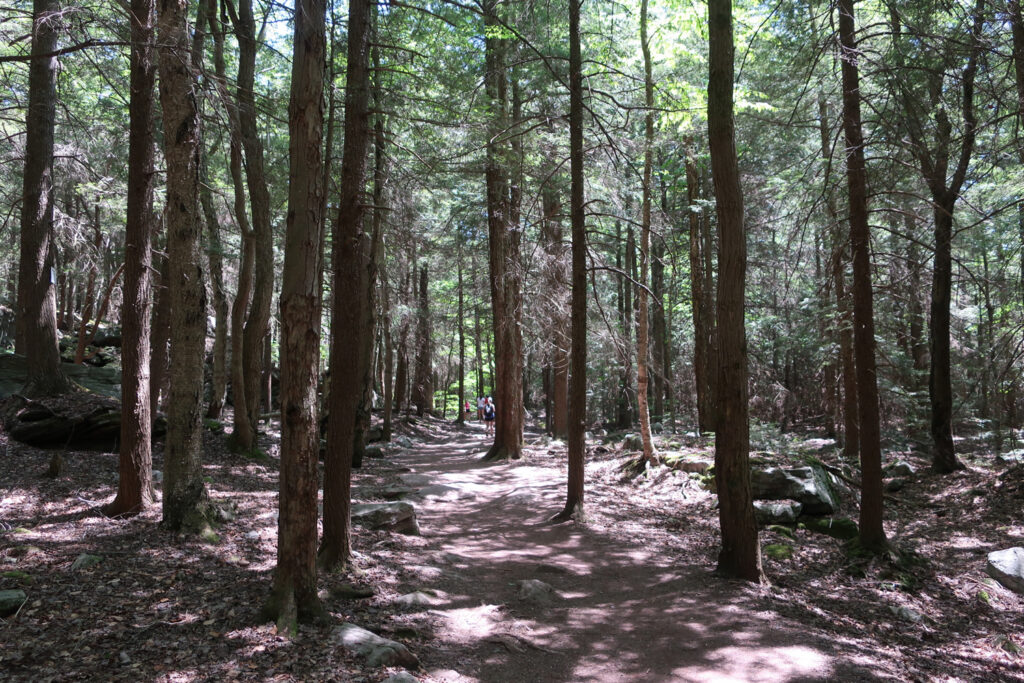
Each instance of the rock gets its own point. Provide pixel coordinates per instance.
(377, 651)
(415, 479)
(907, 614)
(443, 492)
(375, 434)
(84, 561)
(11, 601)
(402, 441)
(398, 516)
(657, 428)
(348, 591)
(808, 485)
(778, 551)
(632, 442)
(402, 677)
(837, 527)
(685, 463)
(900, 468)
(396, 492)
(252, 535)
(425, 598)
(776, 512)
(536, 592)
(375, 452)
(894, 485)
(1007, 567)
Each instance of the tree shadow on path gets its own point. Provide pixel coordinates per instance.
(625, 609)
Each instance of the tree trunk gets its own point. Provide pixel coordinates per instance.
(872, 534)
(503, 251)
(215, 257)
(574, 494)
(703, 320)
(160, 335)
(185, 499)
(556, 288)
(740, 556)
(36, 330)
(135, 455)
(422, 386)
(348, 296)
(642, 326)
(294, 596)
(263, 239)
(461, 419)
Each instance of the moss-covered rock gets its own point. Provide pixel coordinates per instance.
(777, 551)
(837, 527)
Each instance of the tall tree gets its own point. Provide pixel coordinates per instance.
(36, 334)
(348, 295)
(135, 457)
(256, 323)
(642, 326)
(740, 556)
(185, 502)
(944, 184)
(294, 597)
(578, 356)
(503, 249)
(872, 535)
(422, 384)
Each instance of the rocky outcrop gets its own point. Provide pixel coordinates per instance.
(1007, 567)
(399, 517)
(806, 485)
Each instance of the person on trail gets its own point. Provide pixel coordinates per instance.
(465, 407)
(489, 415)
(480, 408)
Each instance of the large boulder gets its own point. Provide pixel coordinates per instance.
(378, 651)
(768, 512)
(1007, 567)
(398, 516)
(807, 485)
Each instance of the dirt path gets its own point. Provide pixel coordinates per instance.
(628, 609)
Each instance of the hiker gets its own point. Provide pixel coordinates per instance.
(480, 408)
(489, 415)
(465, 407)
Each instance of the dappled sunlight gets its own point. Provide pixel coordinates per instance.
(757, 665)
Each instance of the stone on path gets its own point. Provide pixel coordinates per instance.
(900, 468)
(396, 492)
(377, 651)
(443, 492)
(424, 598)
(402, 677)
(808, 485)
(399, 517)
(536, 592)
(687, 463)
(1007, 567)
(415, 479)
(837, 527)
(11, 601)
(776, 512)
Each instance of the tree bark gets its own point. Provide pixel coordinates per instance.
(740, 556)
(263, 239)
(503, 251)
(135, 455)
(36, 334)
(185, 499)
(642, 325)
(574, 495)
(872, 534)
(348, 296)
(294, 596)
(422, 386)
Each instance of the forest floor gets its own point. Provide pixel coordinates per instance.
(634, 594)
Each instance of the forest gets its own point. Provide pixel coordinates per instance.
(743, 282)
